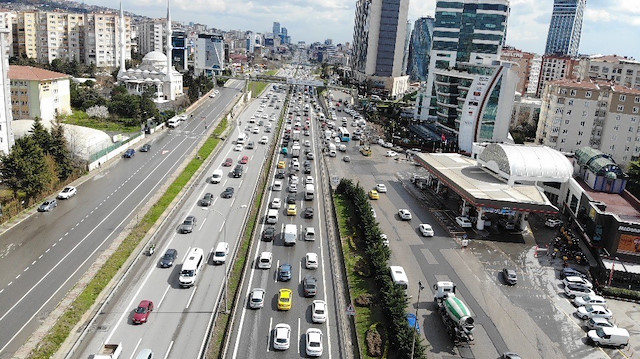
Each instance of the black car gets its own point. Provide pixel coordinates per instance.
(145, 148)
(509, 275)
(307, 170)
(280, 173)
(308, 212)
(310, 286)
(206, 200)
(48, 205)
(250, 145)
(129, 153)
(268, 234)
(168, 258)
(188, 224)
(284, 272)
(237, 172)
(228, 192)
(291, 198)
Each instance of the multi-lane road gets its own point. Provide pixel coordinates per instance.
(44, 255)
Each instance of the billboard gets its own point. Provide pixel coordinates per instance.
(629, 244)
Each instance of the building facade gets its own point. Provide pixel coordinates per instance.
(556, 67)
(534, 75)
(39, 92)
(592, 113)
(102, 34)
(523, 70)
(151, 36)
(180, 51)
(565, 27)
(420, 48)
(378, 39)
(622, 70)
(6, 115)
(209, 54)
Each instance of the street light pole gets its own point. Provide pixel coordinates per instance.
(226, 281)
(413, 342)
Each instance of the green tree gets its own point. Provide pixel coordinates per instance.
(59, 151)
(26, 169)
(148, 108)
(41, 135)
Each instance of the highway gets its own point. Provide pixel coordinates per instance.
(177, 327)
(253, 328)
(44, 255)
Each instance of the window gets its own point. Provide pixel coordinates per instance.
(630, 129)
(566, 122)
(564, 131)
(568, 112)
(580, 133)
(623, 98)
(587, 94)
(573, 92)
(582, 123)
(620, 108)
(562, 140)
(563, 91)
(637, 99)
(578, 143)
(616, 128)
(570, 102)
(635, 109)
(612, 147)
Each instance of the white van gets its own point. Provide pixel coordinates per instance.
(242, 138)
(399, 276)
(220, 254)
(173, 122)
(216, 177)
(272, 216)
(191, 267)
(290, 234)
(614, 337)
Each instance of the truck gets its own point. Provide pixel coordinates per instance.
(295, 150)
(109, 351)
(290, 234)
(309, 192)
(455, 314)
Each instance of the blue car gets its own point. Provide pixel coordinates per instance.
(129, 153)
(413, 321)
(284, 272)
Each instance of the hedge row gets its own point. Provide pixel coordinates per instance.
(392, 298)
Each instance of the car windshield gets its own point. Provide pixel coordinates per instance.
(141, 310)
(600, 332)
(281, 340)
(168, 256)
(187, 273)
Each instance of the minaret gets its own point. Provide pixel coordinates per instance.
(169, 55)
(123, 43)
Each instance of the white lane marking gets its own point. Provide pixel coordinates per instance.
(66, 234)
(53, 245)
(18, 276)
(277, 269)
(135, 349)
(268, 338)
(1, 290)
(10, 283)
(34, 262)
(202, 224)
(191, 297)
(40, 256)
(222, 226)
(168, 350)
(240, 185)
(298, 335)
(163, 295)
(26, 269)
(47, 251)
(300, 272)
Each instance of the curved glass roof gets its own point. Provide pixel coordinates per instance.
(532, 163)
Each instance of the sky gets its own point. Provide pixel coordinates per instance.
(609, 27)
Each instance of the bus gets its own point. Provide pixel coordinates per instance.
(344, 134)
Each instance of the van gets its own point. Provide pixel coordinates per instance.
(216, 177)
(242, 138)
(173, 122)
(220, 254)
(332, 150)
(290, 234)
(399, 276)
(614, 337)
(272, 216)
(191, 267)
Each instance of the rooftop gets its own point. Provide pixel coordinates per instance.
(17, 72)
(617, 204)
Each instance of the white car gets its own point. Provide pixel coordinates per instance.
(381, 188)
(293, 179)
(255, 130)
(593, 311)
(553, 223)
(281, 336)
(314, 342)
(373, 213)
(277, 186)
(293, 188)
(264, 260)
(391, 153)
(311, 260)
(276, 203)
(385, 239)
(67, 192)
(238, 148)
(577, 280)
(590, 300)
(256, 298)
(264, 140)
(575, 290)
(309, 234)
(595, 323)
(426, 230)
(404, 214)
(464, 222)
(308, 180)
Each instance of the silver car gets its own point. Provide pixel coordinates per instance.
(188, 224)
(256, 298)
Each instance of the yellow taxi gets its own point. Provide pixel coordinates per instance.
(373, 194)
(282, 164)
(292, 210)
(284, 299)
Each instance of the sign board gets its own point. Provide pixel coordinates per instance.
(351, 310)
(335, 180)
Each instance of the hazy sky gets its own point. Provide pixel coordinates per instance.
(610, 26)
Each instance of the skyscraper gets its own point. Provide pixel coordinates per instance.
(420, 48)
(276, 29)
(565, 27)
(379, 37)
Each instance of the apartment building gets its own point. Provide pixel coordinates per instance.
(593, 113)
(534, 75)
(209, 55)
(151, 36)
(622, 70)
(524, 60)
(102, 36)
(557, 67)
(6, 133)
(38, 92)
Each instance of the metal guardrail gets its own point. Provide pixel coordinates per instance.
(94, 156)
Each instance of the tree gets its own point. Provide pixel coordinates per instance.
(60, 151)
(41, 135)
(26, 169)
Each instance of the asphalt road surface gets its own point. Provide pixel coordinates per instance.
(43, 256)
(178, 325)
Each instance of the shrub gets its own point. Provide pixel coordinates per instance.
(374, 342)
(622, 293)
(362, 268)
(364, 300)
(97, 111)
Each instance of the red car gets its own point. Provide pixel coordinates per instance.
(244, 160)
(142, 312)
(228, 162)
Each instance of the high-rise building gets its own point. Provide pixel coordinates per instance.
(101, 35)
(420, 48)
(407, 41)
(276, 29)
(524, 61)
(565, 27)
(378, 44)
(534, 74)
(6, 116)
(209, 55)
(151, 36)
(619, 69)
(180, 51)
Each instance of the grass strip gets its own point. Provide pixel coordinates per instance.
(72, 315)
(358, 285)
(80, 118)
(257, 87)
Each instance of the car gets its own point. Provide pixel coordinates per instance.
(264, 260)
(228, 162)
(263, 140)
(373, 194)
(256, 298)
(228, 192)
(391, 154)
(385, 239)
(373, 213)
(237, 171)
(255, 130)
(129, 153)
(292, 210)
(313, 340)
(311, 260)
(509, 275)
(291, 198)
(281, 336)
(293, 188)
(577, 280)
(593, 311)
(413, 321)
(381, 188)
(67, 192)
(216, 177)
(575, 290)
(510, 355)
(310, 156)
(206, 200)
(141, 314)
(212, 95)
(308, 212)
(280, 174)
(404, 214)
(284, 272)
(48, 205)
(571, 272)
(276, 203)
(282, 164)
(244, 160)
(319, 311)
(590, 300)
(553, 222)
(238, 148)
(188, 224)
(145, 148)
(268, 234)
(464, 222)
(595, 323)
(426, 230)
(309, 234)
(285, 298)
(346, 159)
(308, 180)
(310, 286)
(168, 258)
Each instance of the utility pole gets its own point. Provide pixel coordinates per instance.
(413, 343)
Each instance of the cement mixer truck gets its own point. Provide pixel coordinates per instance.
(455, 314)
